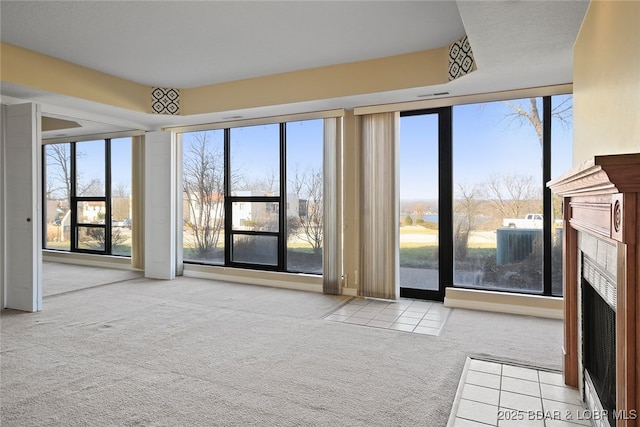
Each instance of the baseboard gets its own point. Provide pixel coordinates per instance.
(501, 302)
(299, 282)
(91, 260)
(352, 292)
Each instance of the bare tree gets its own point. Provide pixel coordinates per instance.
(59, 175)
(512, 195)
(268, 184)
(467, 205)
(58, 157)
(120, 190)
(419, 210)
(308, 185)
(120, 202)
(562, 112)
(204, 191)
(96, 238)
(95, 187)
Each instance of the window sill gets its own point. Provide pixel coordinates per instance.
(92, 260)
(529, 305)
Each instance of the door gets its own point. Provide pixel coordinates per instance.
(425, 252)
(22, 210)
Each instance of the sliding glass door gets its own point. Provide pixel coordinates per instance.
(424, 214)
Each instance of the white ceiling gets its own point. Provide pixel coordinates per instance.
(185, 44)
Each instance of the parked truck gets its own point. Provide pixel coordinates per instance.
(529, 221)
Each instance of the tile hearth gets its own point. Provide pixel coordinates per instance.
(499, 394)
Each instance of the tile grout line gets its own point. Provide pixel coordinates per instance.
(544, 420)
(373, 312)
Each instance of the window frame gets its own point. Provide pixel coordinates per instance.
(75, 200)
(446, 197)
(281, 201)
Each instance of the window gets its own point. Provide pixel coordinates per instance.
(505, 227)
(87, 210)
(498, 188)
(236, 185)
(305, 215)
(561, 161)
(203, 196)
(419, 201)
(507, 230)
(253, 232)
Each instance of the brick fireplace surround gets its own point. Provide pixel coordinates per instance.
(601, 199)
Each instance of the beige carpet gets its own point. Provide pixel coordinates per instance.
(194, 352)
(59, 278)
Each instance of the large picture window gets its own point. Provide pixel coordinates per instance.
(504, 227)
(506, 230)
(252, 196)
(498, 189)
(88, 196)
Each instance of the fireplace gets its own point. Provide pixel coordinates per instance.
(601, 296)
(598, 350)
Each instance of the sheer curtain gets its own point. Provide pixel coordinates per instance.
(332, 248)
(379, 207)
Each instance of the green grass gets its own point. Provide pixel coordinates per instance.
(417, 229)
(427, 256)
(419, 256)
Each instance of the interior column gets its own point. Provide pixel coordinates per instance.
(160, 205)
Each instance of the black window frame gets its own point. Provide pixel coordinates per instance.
(75, 199)
(446, 190)
(280, 201)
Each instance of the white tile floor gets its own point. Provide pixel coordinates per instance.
(499, 394)
(407, 315)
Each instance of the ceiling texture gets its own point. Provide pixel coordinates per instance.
(185, 44)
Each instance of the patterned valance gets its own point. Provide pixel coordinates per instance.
(165, 101)
(461, 59)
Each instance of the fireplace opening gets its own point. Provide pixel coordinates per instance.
(599, 347)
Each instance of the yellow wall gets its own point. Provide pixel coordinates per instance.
(417, 69)
(424, 68)
(606, 81)
(31, 69)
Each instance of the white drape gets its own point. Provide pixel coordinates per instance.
(379, 207)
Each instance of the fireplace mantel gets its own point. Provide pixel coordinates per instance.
(600, 198)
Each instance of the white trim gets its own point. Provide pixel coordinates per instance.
(501, 302)
(299, 282)
(456, 399)
(466, 99)
(98, 136)
(259, 121)
(2, 215)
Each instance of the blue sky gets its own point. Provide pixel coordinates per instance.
(485, 142)
(91, 165)
(255, 149)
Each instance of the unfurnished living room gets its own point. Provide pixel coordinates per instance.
(354, 213)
